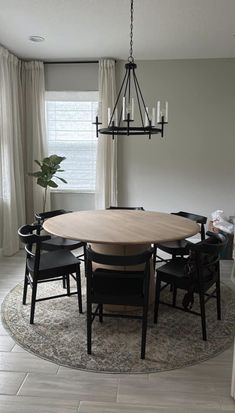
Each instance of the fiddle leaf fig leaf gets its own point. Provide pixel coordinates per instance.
(49, 166)
(52, 184)
(61, 179)
(42, 182)
(37, 162)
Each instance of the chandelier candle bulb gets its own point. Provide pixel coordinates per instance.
(158, 111)
(153, 116)
(146, 121)
(132, 108)
(128, 108)
(166, 112)
(109, 115)
(123, 108)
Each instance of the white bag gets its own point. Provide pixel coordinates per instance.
(220, 222)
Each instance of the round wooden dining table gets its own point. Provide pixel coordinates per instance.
(121, 227)
(121, 232)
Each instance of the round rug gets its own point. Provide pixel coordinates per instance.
(59, 334)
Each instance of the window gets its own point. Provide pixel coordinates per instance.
(71, 134)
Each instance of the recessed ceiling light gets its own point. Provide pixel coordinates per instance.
(36, 39)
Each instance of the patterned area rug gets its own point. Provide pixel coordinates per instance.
(59, 334)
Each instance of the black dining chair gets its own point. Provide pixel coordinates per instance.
(47, 266)
(55, 242)
(117, 287)
(180, 247)
(196, 274)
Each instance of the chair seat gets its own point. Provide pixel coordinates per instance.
(174, 271)
(180, 247)
(174, 247)
(65, 262)
(56, 243)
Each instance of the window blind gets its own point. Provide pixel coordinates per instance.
(71, 134)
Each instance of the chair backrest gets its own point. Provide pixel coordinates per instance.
(41, 216)
(117, 285)
(119, 260)
(199, 219)
(26, 234)
(28, 237)
(127, 208)
(203, 261)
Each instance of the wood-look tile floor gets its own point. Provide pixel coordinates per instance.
(29, 384)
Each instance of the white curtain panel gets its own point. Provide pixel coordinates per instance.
(106, 162)
(22, 139)
(35, 142)
(12, 194)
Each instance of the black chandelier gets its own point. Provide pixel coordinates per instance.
(129, 93)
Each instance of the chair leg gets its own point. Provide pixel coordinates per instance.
(203, 314)
(79, 289)
(64, 281)
(202, 232)
(25, 286)
(101, 313)
(144, 331)
(154, 257)
(218, 300)
(68, 284)
(171, 285)
(89, 310)
(85, 258)
(33, 301)
(157, 298)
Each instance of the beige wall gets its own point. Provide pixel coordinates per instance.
(192, 168)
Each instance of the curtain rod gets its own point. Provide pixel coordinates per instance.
(70, 62)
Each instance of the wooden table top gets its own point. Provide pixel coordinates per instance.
(121, 226)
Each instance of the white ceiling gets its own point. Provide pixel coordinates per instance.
(88, 29)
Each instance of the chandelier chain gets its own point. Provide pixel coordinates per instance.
(131, 59)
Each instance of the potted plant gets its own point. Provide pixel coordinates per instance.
(49, 167)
